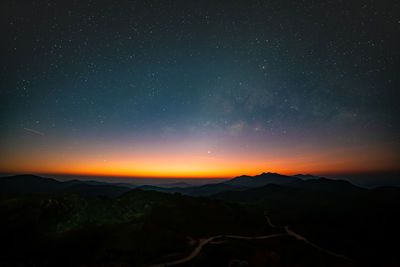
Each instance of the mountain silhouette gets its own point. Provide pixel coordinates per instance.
(35, 184)
(203, 190)
(61, 220)
(305, 176)
(175, 185)
(313, 187)
(329, 185)
(260, 180)
(28, 183)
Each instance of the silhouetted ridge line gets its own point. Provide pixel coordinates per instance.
(35, 184)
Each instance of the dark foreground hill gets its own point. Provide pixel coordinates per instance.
(361, 224)
(98, 224)
(131, 230)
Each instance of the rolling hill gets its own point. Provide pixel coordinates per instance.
(37, 184)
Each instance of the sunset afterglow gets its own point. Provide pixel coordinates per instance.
(216, 93)
(224, 157)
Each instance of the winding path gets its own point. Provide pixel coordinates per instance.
(205, 241)
(269, 222)
(299, 237)
(194, 253)
(302, 238)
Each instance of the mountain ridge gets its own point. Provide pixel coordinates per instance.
(28, 183)
(261, 179)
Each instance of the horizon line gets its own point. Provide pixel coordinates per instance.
(387, 172)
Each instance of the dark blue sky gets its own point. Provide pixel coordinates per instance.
(231, 77)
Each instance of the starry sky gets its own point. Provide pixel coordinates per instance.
(199, 88)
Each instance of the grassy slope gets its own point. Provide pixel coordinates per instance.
(362, 225)
(136, 228)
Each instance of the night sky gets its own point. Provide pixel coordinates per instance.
(199, 88)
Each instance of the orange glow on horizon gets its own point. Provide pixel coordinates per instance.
(195, 160)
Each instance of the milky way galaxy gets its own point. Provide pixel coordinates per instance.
(199, 89)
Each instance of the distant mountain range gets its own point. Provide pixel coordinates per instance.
(306, 176)
(247, 183)
(321, 186)
(328, 185)
(68, 218)
(37, 184)
(260, 180)
(203, 190)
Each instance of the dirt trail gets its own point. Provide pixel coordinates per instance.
(205, 241)
(302, 238)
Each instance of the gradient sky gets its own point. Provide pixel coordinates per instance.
(199, 88)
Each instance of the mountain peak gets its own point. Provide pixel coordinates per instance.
(261, 179)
